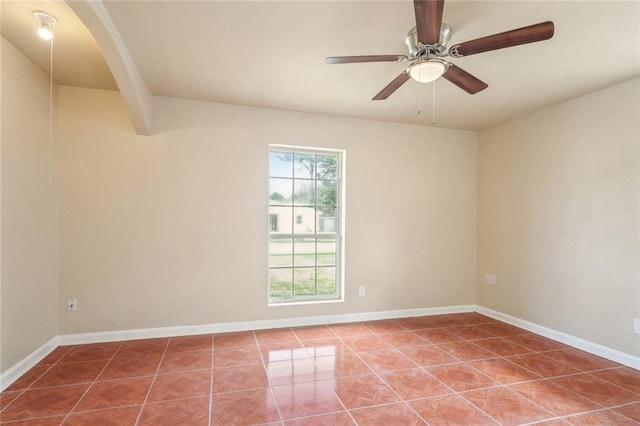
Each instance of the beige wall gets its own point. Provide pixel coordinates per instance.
(171, 229)
(29, 288)
(558, 217)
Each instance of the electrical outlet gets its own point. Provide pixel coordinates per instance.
(72, 305)
(493, 280)
(361, 290)
(487, 279)
(636, 325)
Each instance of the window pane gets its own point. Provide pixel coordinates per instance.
(327, 166)
(326, 280)
(280, 191)
(326, 193)
(280, 252)
(280, 283)
(280, 219)
(327, 221)
(304, 192)
(326, 253)
(304, 165)
(307, 223)
(304, 252)
(304, 281)
(281, 164)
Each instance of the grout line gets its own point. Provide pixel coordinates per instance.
(146, 398)
(213, 348)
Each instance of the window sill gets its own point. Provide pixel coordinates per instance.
(304, 302)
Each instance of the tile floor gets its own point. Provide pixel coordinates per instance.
(464, 369)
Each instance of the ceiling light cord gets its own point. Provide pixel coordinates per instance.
(51, 109)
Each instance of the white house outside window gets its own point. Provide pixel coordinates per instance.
(305, 224)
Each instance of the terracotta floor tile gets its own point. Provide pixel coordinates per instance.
(446, 320)
(349, 329)
(55, 355)
(580, 360)
(275, 335)
(124, 368)
(475, 318)
(402, 339)
(383, 326)
(625, 377)
(115, 393)
(470, 332)
(321, 368)
(398, 414)
(506, 406)
(190, 343)
(366, 343)
(600, 418)
(234, 356)
(326, 347)
(124, 416)
(554, 398)
(93, 352)
(364, 391)
(192, 412)
(450, 410)
(341, 418)
(143, 347)
(246, 407)
(387, 360)
(461, 377)
(437, 335)
(280, 351)
(185, 361)
(428, 355)
(466, 351)
(502, 329)
(415, 323)
(631, 411)
(229, 379)
(227, 340)
(306, 399)
(181, 385)
(6, 397)
(598, 390)
(44, 402)
(313, 332)
(414, 384)
(536, 343)
(503, 371)
(69, 374)
(43, 421)
(28, 378)
(542, 365)
(502, 347)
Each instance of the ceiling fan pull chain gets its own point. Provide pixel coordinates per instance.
(433, 104)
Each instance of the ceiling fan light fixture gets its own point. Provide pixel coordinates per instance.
(46, 23)
(428, 70)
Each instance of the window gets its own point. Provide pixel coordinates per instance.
(305, 224)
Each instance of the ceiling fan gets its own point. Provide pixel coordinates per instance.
(427, 43)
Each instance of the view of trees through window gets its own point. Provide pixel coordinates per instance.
(304, 225)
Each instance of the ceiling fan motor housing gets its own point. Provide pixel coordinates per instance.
(417, 49)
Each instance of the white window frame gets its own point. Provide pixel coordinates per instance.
(339, 233)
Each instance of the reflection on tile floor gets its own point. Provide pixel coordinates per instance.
(458, 369)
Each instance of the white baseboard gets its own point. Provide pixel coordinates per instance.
(568, 339)
(27, 363)
(189, 330)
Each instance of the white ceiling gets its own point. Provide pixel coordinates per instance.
(271, 54)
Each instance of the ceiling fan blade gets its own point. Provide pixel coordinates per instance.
(464, 80)
(392, 87)
(366, 58)
(524, 35)
(428, 20)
